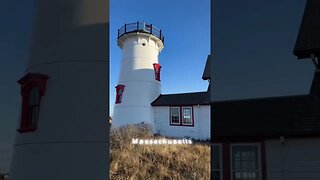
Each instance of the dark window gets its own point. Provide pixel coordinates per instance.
(245, 162)
(34, 105)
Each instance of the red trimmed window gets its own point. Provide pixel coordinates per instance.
(181, 116)
(119, 91)
(157, 69)
(32, 89)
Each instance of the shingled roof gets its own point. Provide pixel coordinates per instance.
(268, 117)
(201, 98)
(308, 40)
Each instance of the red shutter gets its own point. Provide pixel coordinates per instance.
(157, 69)
(119, 91)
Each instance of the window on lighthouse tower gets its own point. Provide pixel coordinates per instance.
(157, 69)
(34, 104)
(119, 91)
(32, 89)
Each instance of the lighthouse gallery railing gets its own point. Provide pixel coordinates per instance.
(140, 27)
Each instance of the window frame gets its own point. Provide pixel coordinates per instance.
(28, 82)
(258, 146)
(181, 116)
(179, 112)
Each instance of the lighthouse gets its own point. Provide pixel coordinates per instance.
(63, 126)
(139, 80)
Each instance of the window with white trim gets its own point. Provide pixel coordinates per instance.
(217, 160)
(175, 115)
(186, 115)
(245, 162)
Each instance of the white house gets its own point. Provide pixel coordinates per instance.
(183, 115)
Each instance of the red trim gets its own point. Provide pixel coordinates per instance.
(156, 68)
(180, 116)
(27, 82)
(34, 79)
(119, 88)
(22, 130)
(263, 161)
(226, 168)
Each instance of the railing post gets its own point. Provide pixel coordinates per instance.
(137, 25)
(125, 28)
(150, 28)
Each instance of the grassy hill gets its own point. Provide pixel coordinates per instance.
(132, 161)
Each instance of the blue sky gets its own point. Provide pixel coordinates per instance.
(185, 25)
(16, 24)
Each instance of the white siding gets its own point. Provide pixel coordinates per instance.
(295, 159)
(200, 130)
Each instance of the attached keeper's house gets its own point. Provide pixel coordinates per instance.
(186, 114)
(183, 115)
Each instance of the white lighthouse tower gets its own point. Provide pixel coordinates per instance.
(63, 129)
(139, 80)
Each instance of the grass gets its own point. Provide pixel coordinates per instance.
(131, 161)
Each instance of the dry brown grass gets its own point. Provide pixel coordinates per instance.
(130, 161)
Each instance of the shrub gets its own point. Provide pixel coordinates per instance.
(130, 161)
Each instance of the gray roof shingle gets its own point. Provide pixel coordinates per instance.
(201, 98)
